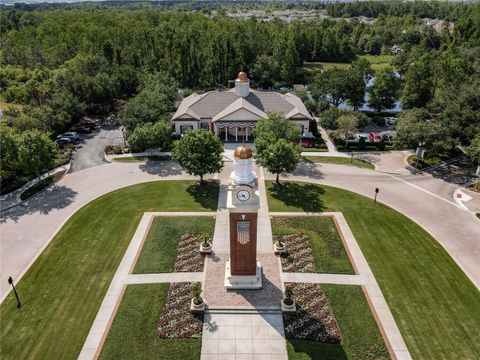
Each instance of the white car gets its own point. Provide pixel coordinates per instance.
(363, 136)
(390, 120)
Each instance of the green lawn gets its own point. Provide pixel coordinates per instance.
(327, 247)
(160, 248)
(435, 305)
(309, 69)
(361, 338)
(314, 150)
(133, 334)
(42, 184)
(62, 291)
(340, 160)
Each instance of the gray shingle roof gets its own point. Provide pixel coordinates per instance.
(212, 103)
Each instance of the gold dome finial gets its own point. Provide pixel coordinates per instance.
(242, 76)
(243, 152)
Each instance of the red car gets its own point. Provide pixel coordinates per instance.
(374, 137)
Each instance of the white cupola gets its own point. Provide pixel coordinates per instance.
(243, 163)
(242, 84)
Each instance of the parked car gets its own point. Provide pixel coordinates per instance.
(352, 139)
(83, 129)
(390, 120)
(64, 141)
(374, 137)
(363, 136)
(387, 137)
(70, 134)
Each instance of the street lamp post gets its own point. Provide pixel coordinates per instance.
(420, 153)
(477, 173)
(10, 281)
(377, 190)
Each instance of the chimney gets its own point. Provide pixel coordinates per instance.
(242, 85)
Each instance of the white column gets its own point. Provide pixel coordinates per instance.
(226, 133)
(236, 133)
(246, 133)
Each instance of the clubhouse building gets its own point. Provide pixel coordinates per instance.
(234, 113)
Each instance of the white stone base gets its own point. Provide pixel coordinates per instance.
(251, 282)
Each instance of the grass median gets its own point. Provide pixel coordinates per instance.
(62, 291)
(340, 161)
(435, 305)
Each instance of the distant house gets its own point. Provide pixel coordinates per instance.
(395, 49)
(234, 113)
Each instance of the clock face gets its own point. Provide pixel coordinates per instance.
(243, 195)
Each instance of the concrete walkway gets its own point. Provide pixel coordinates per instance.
(389, 329)
(123, 276)
(235, 336)
(242, 324)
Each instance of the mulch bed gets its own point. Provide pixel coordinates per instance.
(189, 258)
(314, 319)
(299, 257)
(176, 321)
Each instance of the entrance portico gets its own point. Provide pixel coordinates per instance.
(235, 130)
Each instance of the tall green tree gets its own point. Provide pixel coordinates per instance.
(8, 151)
(276, 140)
(332, 85)
(36, 152)
(473, 150)
(199, 152)
(265, 70)
(419, 83)
(281, 157)
(383, 92)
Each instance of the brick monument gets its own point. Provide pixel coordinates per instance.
(243, 271)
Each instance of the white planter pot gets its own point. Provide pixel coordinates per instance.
(289, 308)
(279, 249)
(197, 309)
(205, 249)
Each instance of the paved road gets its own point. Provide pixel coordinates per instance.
(90, 149)
(423, 198)
(26, 230)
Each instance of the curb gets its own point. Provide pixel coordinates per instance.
(69, 166)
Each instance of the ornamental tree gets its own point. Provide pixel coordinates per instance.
(347, 126)
(199, 152)
(276, 146)
(149, 136)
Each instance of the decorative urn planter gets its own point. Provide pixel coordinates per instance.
(205, 250)
(279, 249)
(197, 309)
(290, 306)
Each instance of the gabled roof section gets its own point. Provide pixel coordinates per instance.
(299, 107)
(239, 104)
(184, 108)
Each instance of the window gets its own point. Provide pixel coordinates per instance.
(185, 128)
(204, 125)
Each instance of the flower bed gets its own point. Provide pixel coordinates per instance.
(176, 321)
(299, 257)
(189, 258)
(314, 319)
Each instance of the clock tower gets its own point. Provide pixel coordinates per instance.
(243, 271)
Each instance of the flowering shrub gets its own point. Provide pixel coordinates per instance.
(176, 321)
(299, 256)
(314, 319)
(189, 258)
